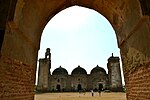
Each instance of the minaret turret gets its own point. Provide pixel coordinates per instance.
(44, 72)
(114, 73)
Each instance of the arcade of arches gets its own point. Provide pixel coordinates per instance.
(21, 26)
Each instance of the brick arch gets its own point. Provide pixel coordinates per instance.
(23, 30)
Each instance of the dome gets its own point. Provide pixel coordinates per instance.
(97, 69)
(78, 70)
(60, 71)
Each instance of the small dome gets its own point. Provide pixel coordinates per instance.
(60, 71)
(78, 70)
(97, 69)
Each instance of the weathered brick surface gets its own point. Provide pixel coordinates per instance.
(138, 83)
(17, 80)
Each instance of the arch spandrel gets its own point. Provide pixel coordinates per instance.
(32, 15)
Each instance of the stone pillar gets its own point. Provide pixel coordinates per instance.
(17, 65)
(135, 53)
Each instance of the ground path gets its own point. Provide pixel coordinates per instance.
(77, 96)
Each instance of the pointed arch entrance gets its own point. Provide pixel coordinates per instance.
(58, 88)
(100, 87)
(79, 87)
(22, 24)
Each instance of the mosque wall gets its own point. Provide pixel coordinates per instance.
(60, 80)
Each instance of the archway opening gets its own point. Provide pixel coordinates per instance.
(79, 87)
(78, 40)
(67, 37)
(58, 88)
(130, 21)
(100, 87)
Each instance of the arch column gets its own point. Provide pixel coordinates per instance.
(18, 65)
(135, 53)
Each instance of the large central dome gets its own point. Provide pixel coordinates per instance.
(60, 71)
(79, 70)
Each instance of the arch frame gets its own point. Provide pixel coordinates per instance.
(24, 29)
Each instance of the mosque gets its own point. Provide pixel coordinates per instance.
(59, 80)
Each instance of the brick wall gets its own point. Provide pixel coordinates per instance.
(138, 83)
(16, 80)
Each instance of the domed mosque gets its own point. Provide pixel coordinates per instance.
(60, 71)
(79, 70)
(78, 80)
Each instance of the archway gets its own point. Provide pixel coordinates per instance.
(82, 38)
(100, 87)
(23, 22)
(79, 87)
(58, 88)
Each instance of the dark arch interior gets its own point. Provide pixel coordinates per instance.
(100, 87)
(58, 87)
(1, 37)
(79, 87)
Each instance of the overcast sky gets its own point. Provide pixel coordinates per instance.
(79, 36)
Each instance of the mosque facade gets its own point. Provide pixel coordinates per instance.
(59, 80)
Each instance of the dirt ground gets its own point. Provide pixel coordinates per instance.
(81, 96)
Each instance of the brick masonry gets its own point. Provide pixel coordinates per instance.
(17, 80)
(138, 83)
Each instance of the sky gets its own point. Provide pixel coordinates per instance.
(79, 36)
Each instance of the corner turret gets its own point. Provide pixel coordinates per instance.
(114, 74)
(44, 72)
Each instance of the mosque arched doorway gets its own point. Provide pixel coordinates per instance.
(58, 88)
(79, 87)
(100, 87)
